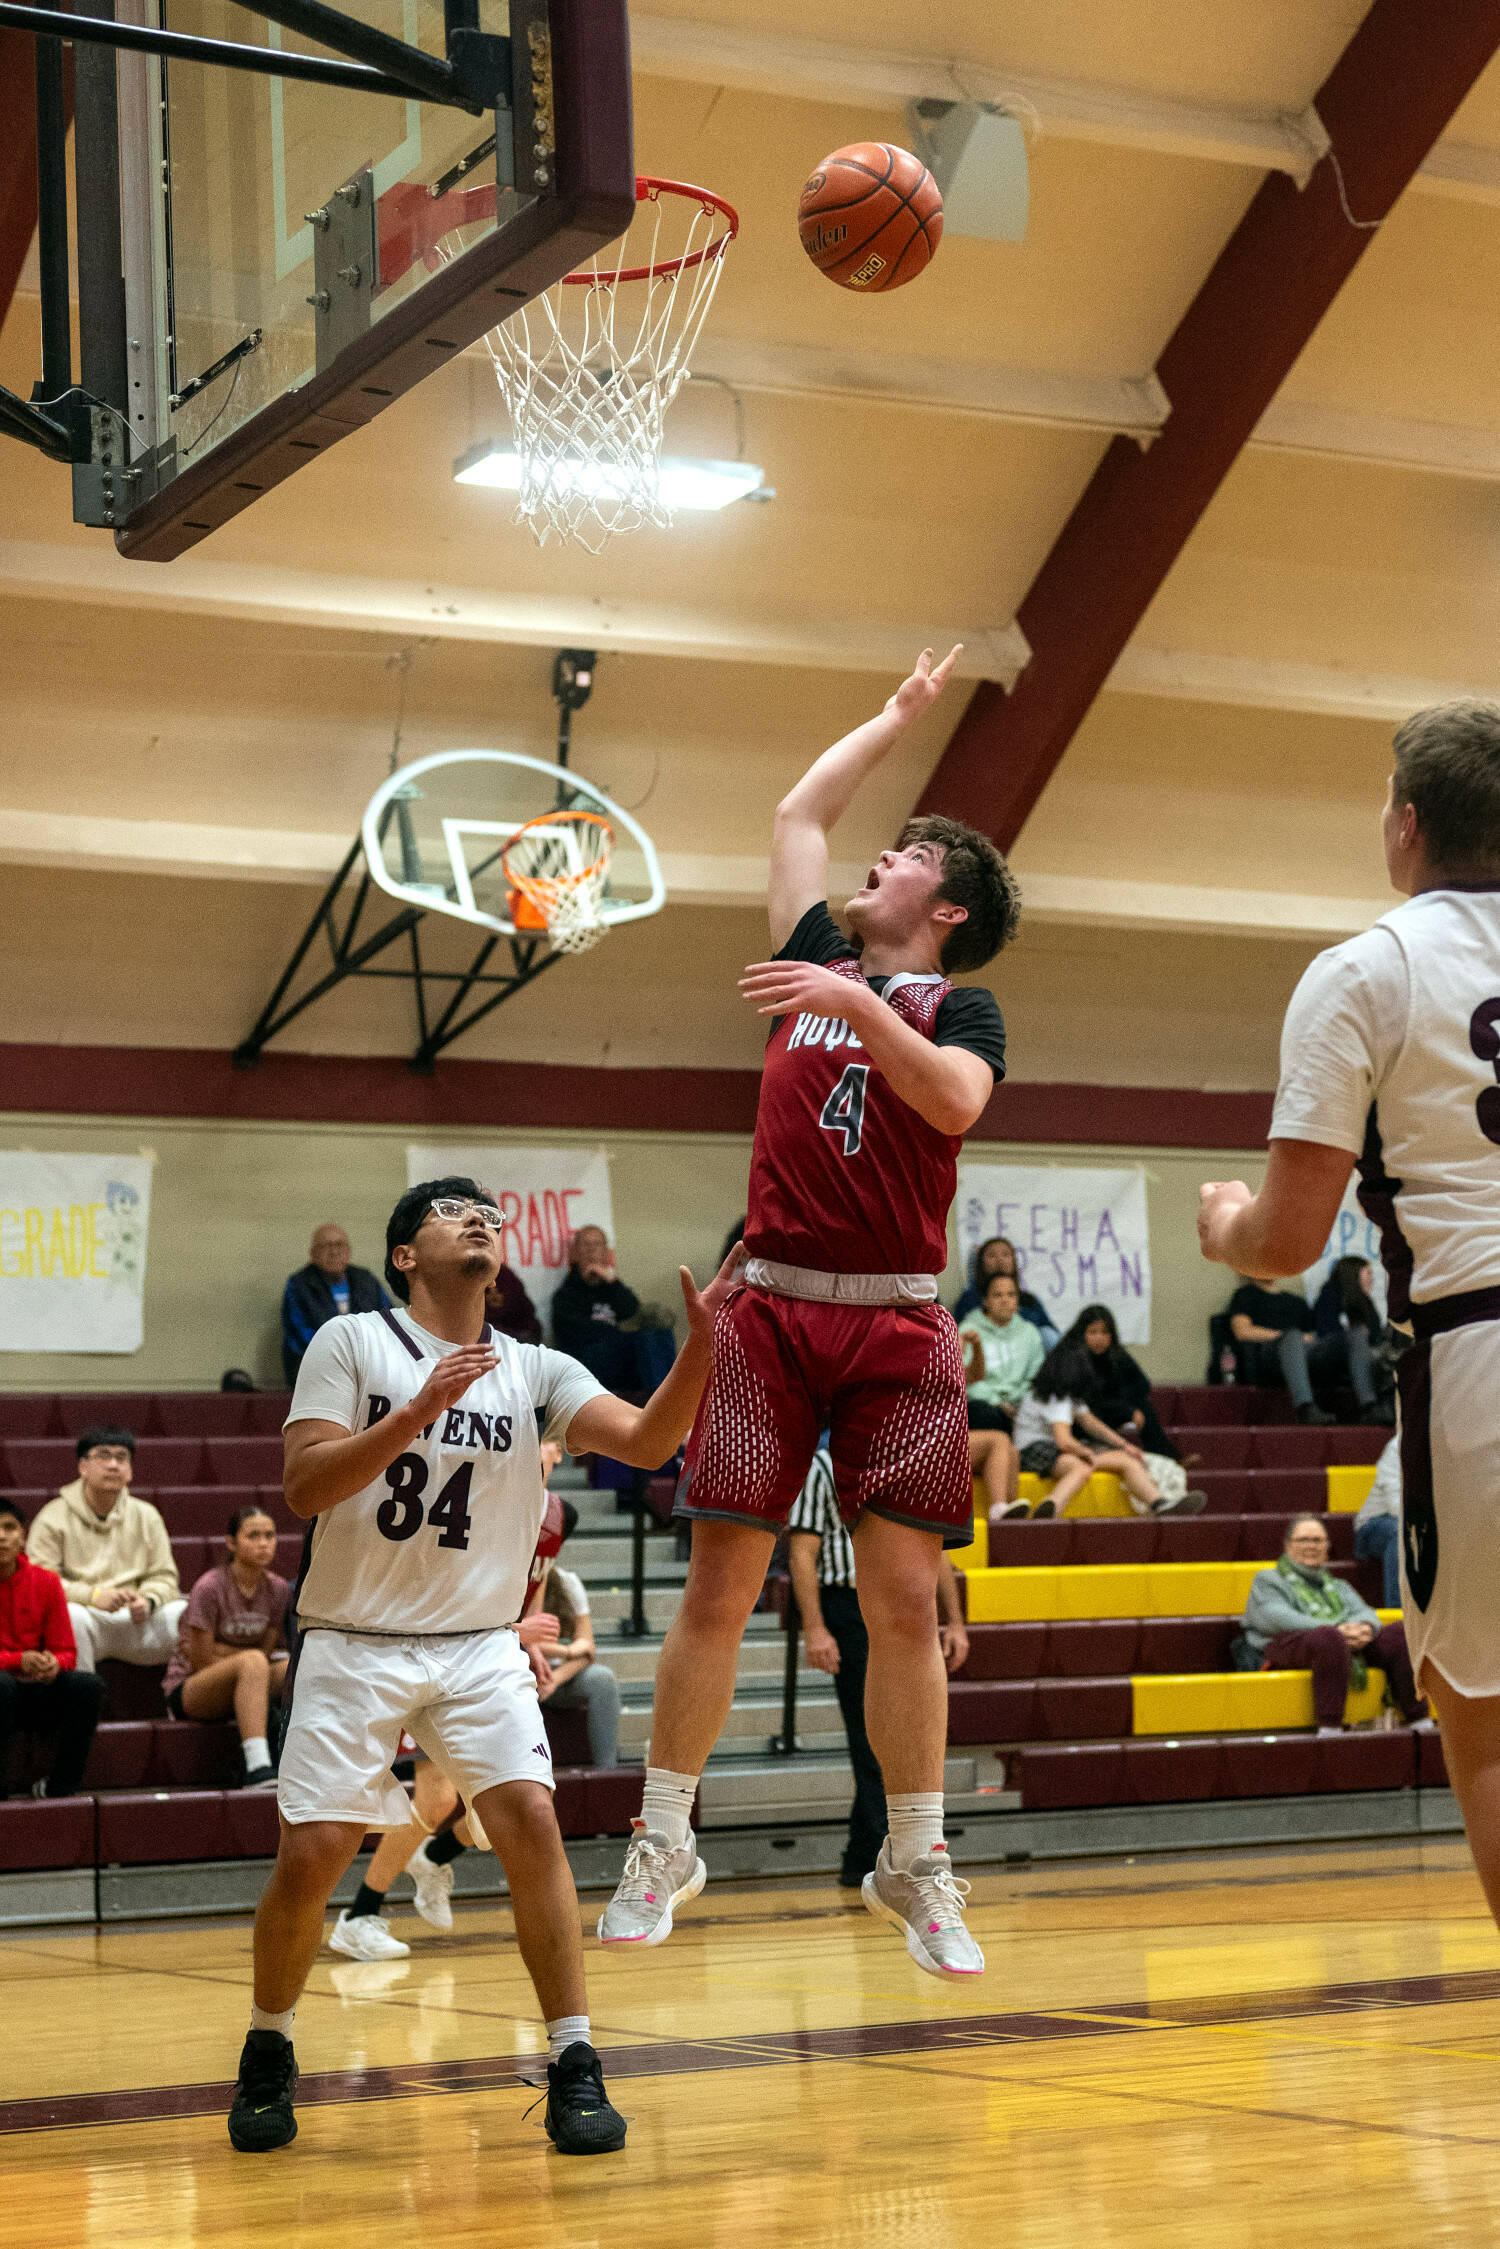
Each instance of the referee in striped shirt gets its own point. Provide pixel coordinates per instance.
(820, 1556)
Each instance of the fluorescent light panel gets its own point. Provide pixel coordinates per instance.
(680, 484)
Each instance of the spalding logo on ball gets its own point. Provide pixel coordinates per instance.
(871, 216)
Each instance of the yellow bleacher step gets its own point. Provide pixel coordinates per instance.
(1238, 1702)
(1348, 1489)
(1084, 1590)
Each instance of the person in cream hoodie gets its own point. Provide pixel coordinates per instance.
(114, 1557)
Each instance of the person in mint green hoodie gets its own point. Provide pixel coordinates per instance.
(1002, 1353)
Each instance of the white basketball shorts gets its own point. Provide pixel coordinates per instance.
(470, 1702)
(1450, 1505)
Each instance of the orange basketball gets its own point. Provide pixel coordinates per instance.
(871, 216)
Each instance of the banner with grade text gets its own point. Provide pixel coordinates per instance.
(72, 1251)
(1080, 1236)
(544, 1194)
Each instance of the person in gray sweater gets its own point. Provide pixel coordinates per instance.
(1300, 1617)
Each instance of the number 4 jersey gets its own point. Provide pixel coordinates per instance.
(846, 1177)
(443, 1540)
(1391, 1049)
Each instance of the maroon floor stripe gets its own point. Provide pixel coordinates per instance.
(761, 2050)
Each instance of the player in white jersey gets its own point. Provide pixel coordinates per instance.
(412, 1445)
(1390, 1058)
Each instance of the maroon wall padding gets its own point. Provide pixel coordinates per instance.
(1029, 1546)
(202, 1413)
(1293, 1447)
(1113, 1540)
(992, 1710)
(1364, 1760)
(122, 1756)
(1227, 1447)
(35, 1835)
(169, 1460)
(188, 1754)
(1404, 72)
(1227, 1490)
(24, 1414)
(1229, 1405)
(1055, 1780)
(1284, 1491)
(239, 1460)
(1358, 1447)
(613, 1798)
(1275, 1765)
(1004, 1651)
(265, 1411)
(202, 1510)
(49, 1461)
(129, 1409)
(1367, 1579)
(570, 1802)
(1083, 1709)
(1092, 1648)
(154, 1829)
(189, 1555)
(568, 1732)
(132, 1690)
(148, 1082)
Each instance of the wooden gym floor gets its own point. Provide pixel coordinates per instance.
(1283, 2048)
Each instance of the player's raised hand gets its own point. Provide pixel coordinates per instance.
(451, 1377)
(797, 988)
(1219, 1204)
(703, 1304)
(921, 689)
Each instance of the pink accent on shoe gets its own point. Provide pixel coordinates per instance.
(650, 1897)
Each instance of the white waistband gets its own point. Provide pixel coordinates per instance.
(840, 1288)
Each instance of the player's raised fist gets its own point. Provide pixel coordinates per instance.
(1218, 1204)
(451, 1377)
(921, 689)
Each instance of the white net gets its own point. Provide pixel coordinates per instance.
(559, 865)
(589, 369)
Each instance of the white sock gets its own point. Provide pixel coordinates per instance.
(565, 2031)
(916, 1825)
(668, 1803)
(257, 1752)
(261, 2018)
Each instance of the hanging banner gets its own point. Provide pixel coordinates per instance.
(1080, 1237)
(1352, 1235)
(72, 1251)
(544, 1194)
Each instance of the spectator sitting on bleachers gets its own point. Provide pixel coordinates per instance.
(997, 1255)
(40, 1690)
(509, 1309)
(231, 1655)
(579, 1680)
(1345, 1302)
(1002, 1353)
(1377, 1526)
(1300, 1617)
(590, 1308)
(114, 1557)
(1276, 1343)
(1058, 1435)
(1119, 1389)
(322, 1289)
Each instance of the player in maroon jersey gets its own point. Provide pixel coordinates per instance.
(875, 1068)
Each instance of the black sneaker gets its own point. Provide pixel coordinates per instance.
(1313, 1417)
(260, 2115)
(579, 2119)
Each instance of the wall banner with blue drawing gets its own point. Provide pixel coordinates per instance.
(1081, 1236)
(72, 1251)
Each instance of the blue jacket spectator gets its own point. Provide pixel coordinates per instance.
(997, 1255)
(326, 1286)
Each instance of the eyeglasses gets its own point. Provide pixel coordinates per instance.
(1320, 1543)
(450, 1206)
(110, 1455)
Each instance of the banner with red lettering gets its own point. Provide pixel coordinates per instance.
(545, 1195)
(1081, 1236)
(72, 1251)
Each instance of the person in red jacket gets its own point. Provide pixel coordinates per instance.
(40, 1690)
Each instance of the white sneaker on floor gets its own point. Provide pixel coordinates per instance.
(657, 1879)
(1186, 1503)
(1014, 1510)
(434, 1889)
(926, 1903)
(366, 1938)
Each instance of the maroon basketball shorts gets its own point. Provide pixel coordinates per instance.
(887, 1381)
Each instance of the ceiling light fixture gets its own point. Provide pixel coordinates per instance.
(681, 484)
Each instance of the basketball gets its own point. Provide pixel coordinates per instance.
(871, 216)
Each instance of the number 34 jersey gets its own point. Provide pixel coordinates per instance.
(845, 1176)
(442, 1540)
(1391, 1050)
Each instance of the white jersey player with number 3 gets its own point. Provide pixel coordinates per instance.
(413, 1448)
(1391, 1058)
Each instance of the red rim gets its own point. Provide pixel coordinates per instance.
(649, 190)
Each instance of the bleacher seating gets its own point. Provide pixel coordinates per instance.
(158, 1790)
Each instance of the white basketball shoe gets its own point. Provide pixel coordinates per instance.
(926, 1903)
(365, 1938)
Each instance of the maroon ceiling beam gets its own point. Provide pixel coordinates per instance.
(1389, 96)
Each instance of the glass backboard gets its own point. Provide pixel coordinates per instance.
(274, 301)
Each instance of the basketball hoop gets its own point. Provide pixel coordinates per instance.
(589, 369)
(557, 866)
